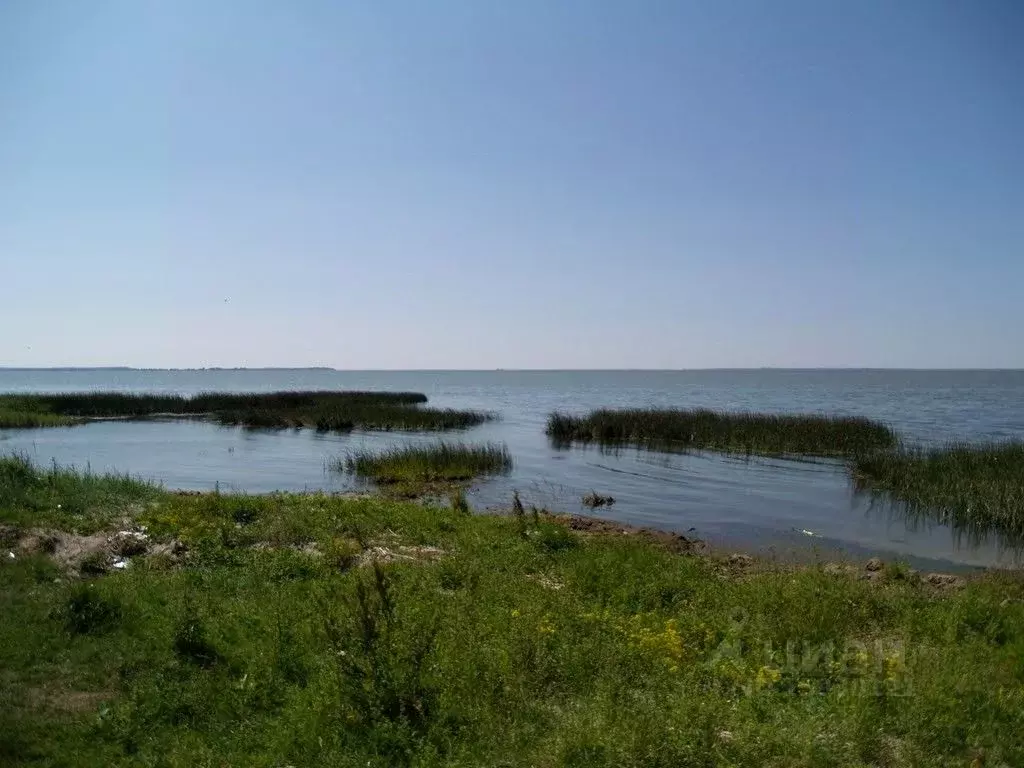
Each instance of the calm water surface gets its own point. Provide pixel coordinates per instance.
(755, 504)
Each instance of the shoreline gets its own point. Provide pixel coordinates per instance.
(799, 553)
(805, 556)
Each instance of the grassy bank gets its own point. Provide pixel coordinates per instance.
(750, 433)
(438, 462)
(974, 488)
(69, 498)
(315, 630)
(327, 411)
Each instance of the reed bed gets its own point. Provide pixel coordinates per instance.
(77, 406)
(107, 404)
(437, 462)
(975, 488)
(327, 411)
(343, 418)
(745, 433)
(13, 419)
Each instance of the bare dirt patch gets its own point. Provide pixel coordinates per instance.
(93, 553)
(66, 701)
(393, 553)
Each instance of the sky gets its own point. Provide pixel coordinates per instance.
(483, 184)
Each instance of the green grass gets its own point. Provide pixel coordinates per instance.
(437, 462)
(15, 419)
(69, 498)
(516, 642)
(744, 433)
(973, 488)
(327, 411)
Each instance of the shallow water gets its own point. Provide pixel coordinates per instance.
(755, 504)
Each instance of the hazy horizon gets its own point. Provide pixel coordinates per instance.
(477, 370)
(473, 184)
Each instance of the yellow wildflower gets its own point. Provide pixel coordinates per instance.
(892, 666)
(767, 676)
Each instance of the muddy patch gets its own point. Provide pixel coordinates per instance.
(674, 542)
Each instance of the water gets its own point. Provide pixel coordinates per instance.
(755, 504)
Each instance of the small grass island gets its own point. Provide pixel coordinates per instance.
(681, 429)
(432, 463)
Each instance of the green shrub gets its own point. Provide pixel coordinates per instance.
(552, 537)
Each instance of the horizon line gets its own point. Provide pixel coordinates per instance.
(494, 370)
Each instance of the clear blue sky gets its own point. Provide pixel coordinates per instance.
(482, 184)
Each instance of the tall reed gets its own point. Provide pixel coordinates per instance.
(975, 488)
(751, 433)
(440, 461)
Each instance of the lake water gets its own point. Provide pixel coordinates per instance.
(756, 504)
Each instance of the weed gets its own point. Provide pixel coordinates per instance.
(552, 537)
(343, 554)
(86, 611)
(594, 499)
(900, 571)
(458, 502)
(382, 668)
(192, 645)
(519, 514)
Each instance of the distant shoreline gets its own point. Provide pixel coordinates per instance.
(762, 369)
(129, 368)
